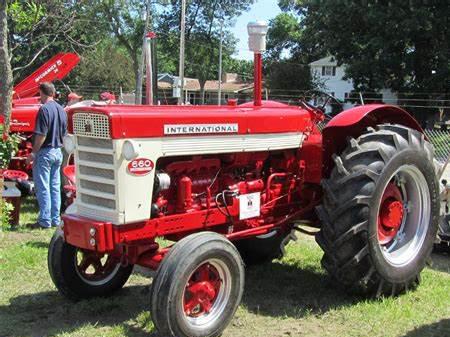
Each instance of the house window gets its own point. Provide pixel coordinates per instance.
(192, 98)
(328, 71)
(226, 96)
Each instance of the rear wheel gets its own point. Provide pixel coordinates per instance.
(380, 211)
(82, 274)
(443, 240)
(198, 287)
(264, 248)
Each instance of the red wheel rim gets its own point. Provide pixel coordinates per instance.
(390, 215)
(201, 291)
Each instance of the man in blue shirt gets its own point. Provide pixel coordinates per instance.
(49, 131)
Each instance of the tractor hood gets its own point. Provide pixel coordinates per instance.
(22, 118)
(140, 121)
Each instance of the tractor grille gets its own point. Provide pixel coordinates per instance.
(96, 179)
(96, 183)
(91, 125)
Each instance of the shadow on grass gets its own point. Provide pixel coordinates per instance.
(274, 289)
(440, 261)
(29, 204)
(438, 329)
(49, 313)
(283, 290)
(37, 244)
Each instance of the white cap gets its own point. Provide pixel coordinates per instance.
(257, 32)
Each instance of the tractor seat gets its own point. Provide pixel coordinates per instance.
(15, 175)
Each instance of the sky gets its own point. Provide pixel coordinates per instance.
(261, 10)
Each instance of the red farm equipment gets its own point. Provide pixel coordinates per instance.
(227, 185)
(26, 105)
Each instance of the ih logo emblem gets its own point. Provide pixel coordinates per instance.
(88, 127)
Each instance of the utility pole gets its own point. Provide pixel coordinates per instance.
(149, 87)
(219, 94)
(140, 75)
(155, 71)
(181, 69)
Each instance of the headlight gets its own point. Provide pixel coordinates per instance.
(130, 150)
(69, 143)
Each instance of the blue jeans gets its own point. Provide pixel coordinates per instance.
(47, 181)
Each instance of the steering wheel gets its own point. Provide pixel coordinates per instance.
(311, 94)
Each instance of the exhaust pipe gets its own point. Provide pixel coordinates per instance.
(257, 32)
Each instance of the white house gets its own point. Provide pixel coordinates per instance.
(327, 71)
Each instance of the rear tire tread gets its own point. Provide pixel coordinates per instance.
(346, 254)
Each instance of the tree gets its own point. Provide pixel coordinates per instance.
(243, 68)
(105, 67)
(202, 35)
(125, 22)
(39, 30)
(384, 44)
(286, 65)
(6, 82)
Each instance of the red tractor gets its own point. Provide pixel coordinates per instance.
(226, 185)
(26, 104)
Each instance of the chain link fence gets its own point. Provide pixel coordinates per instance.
(441, 142)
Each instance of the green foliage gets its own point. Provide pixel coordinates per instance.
(106, 66)
(286, 65)
(8, 147)
(393, 44)
(203, 21)
(5, 214)
(124, 21)
(284, 34)
(25, 14)
(243, 68)
(40, 29)
(107, 34)
(288, 75)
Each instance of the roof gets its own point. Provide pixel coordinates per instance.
(325, 61)
(194, 85)
(164, 85)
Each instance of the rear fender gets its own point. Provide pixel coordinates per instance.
(353, 122)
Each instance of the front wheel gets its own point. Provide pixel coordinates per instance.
(380, 212)
(79, 274)
(198, 287)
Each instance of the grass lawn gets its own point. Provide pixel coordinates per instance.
(292, 297)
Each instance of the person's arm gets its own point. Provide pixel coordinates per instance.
(40, 133)
(38, 141)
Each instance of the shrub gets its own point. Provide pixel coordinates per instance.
(8, 147)
(5, 215)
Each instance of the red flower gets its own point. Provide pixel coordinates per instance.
(5, 137)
